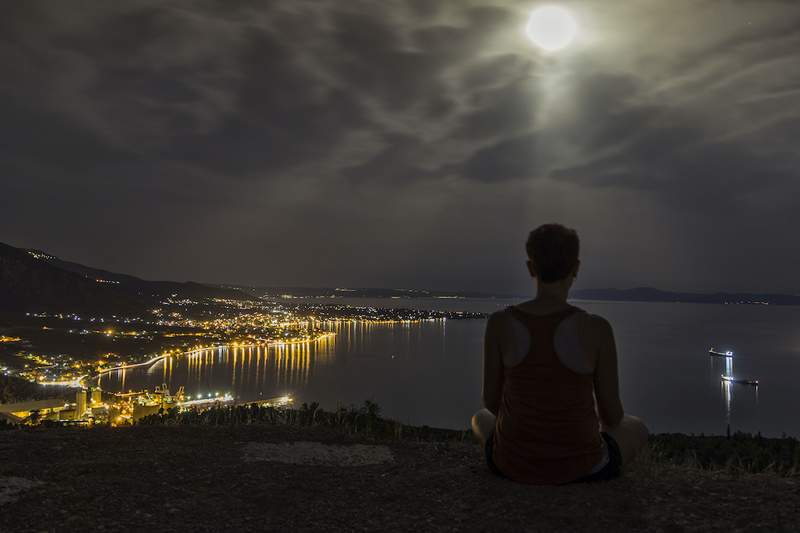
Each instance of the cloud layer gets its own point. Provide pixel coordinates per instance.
(403, 142)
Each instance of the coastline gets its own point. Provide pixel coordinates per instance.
(80, 381)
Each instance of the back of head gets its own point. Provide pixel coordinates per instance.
(553, 249)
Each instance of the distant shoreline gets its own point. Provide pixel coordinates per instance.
(641, 294)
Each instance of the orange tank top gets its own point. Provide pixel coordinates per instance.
(547, 428)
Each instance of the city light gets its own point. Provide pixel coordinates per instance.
(176, 327)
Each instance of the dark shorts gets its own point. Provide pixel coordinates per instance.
(612, 469)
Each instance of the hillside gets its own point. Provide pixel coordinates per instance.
(31, 280)
(267, 478)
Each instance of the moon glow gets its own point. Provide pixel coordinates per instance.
(551, 28)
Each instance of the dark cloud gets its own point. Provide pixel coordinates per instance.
(508, 159)
(509, 108)
(297, 135)
(284, 117)
(394, 163)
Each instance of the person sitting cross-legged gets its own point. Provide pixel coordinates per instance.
(552, 412)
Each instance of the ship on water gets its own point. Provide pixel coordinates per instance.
(717, 353)
(740, 381)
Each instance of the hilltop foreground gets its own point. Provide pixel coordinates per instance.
(195, 478)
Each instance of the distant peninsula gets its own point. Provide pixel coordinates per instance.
(34, 280)
(639, 294)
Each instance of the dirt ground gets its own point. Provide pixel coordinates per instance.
(195, 479)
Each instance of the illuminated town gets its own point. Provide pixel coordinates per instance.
(68, 353)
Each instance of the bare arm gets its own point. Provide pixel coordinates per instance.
(606, 377)
(492, 366)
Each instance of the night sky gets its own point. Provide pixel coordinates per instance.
(403, 143)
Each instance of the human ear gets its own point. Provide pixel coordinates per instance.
(531, 268)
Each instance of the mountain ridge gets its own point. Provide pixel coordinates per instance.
(33, 280)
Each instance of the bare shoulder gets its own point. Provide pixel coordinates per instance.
(498, 320)
(500, 315)
(602, 330)
(598, 322)
(599, 328)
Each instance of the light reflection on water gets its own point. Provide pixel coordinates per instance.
(430, 372)
(245, 371)
(737, 399)
(394, 364)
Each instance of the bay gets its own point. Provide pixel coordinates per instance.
(430, 372)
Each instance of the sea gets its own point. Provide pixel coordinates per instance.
(429, 373)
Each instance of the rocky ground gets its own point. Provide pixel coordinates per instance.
(253, 478)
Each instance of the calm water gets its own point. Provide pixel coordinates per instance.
(429, 373)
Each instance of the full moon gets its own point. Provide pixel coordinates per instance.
(551, 28)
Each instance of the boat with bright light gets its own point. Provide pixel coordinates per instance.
(712, 351)
(740, 381)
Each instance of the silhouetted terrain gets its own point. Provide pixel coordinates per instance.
(31, 280)
(200, 478)
(14, 389)
(639, 294)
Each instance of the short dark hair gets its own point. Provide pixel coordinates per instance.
(553, 249)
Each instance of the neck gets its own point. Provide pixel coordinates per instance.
(552, 292)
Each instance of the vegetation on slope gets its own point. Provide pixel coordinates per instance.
(739, 453)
